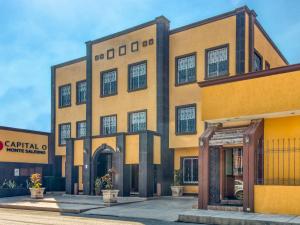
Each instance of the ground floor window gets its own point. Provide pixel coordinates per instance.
(190, 170)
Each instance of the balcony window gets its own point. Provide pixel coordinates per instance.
(186, 69)
(217, 62)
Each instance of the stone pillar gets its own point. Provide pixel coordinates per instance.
(121, 170)
(86, 175)
(146, 181)
(70, 169)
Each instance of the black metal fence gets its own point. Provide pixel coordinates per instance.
(278, 162)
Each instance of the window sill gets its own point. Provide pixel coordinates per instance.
(187, 133)
(185, 83)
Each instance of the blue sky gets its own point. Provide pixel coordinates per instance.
(35, 34)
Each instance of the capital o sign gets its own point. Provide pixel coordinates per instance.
(1, 145)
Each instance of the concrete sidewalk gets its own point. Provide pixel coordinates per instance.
(163, 209)
(62, 203)
(235, 218)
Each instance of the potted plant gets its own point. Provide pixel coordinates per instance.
(36, 189)
(98, 184)
(110, 195)
(177, 189)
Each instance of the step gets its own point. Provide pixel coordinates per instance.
(225, 208)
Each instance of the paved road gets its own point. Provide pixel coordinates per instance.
(17, 217)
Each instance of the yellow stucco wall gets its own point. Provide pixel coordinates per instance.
(156, 150)
(125, 101)
(63, 166)
(78, 152)
(69, 74)
(185, 152)
(263, 46)
(282, 133)
(196, 40)
(80, 180)
(265, 95)
(132, 149)
(97, 142)
(23, 147)
(277, 199)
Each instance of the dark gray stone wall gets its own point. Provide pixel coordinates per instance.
(70, 168)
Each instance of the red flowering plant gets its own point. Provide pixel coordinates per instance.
(35, 179)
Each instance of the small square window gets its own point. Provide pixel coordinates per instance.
(134, 46)
(97, 57)
(101, 56)
(110, 54)
(145, 43)
(122, 50)
(151, 41)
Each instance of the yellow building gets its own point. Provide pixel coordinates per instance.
(23, 152)
(139, 100)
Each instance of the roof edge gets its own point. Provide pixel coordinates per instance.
(251, 75)
(131, 29)
(70, 62)
(24, 130)
(260, 27)
(212, 19)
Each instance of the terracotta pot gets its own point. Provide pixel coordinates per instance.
(37, 193)
(177, 191)
(110, 196)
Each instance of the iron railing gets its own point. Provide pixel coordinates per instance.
(278, 162)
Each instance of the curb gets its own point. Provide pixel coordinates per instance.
(228, 221)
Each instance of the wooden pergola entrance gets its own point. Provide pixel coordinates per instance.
(250, 140)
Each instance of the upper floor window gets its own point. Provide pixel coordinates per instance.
(186, 69)
(137, 76)
(64, 132)
(186, 119)
(258, 62)
(109, 83)
(65, 95)
(137, 121)
(190, 170)
(81, 129)
(81, 92)
(217, 62)
(108, 125)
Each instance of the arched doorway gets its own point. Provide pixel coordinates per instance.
(101, 162)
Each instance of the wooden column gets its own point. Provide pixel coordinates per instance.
(251, 142)
(203, 165)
